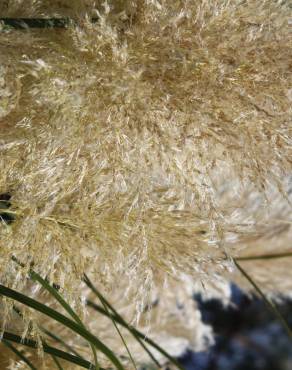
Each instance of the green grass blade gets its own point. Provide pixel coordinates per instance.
(122, 338)
(125, 325)
(134, 331)
(61, 341)
(64, 304)
(57, 362)
(51, 335)
(103, 302)
(137, 334)
(272, 307)
(264, 257)
(37, 278)
(19, 354)
(10, 293)
(9, 337)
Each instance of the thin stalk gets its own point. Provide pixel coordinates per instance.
(134, 331)
(103, 302)
(51, 335)
(139, 336)
(65, 305)
(61, 341)
(57, 362)
(9, 337)
(115, 313)
(10, 293)
(265, 257)
(37, 278)
(19, 354)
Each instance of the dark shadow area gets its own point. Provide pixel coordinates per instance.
(247, 336)
(5, 204)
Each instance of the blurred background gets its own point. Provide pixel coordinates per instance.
(247, 336)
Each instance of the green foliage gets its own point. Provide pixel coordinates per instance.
(77, 326)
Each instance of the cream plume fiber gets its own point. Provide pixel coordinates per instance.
(147, 149)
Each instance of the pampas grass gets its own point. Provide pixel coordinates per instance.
(147, 150)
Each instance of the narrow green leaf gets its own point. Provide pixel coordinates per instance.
(57, 362)
(125, 325)
(36, 277)
(136, 333)
(10, 293)
(103, 302)
(133, 330)
(264, 257)
(17, 310)
(9, 337)
(51, 335)
(19, 354)
(61, 341)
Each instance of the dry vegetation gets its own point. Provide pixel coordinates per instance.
(147, 149)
